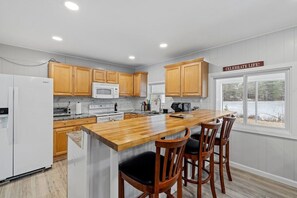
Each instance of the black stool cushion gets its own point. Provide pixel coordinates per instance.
(192, 147)
(141, 168)
(196, 136)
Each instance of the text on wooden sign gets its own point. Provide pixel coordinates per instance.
(244, 66)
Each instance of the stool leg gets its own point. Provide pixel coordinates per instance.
(193, 169)
(199, 187)
(212, 183)
(121, 187)
(185, 171)
(227, 162)
(180, 186)
(168, 193)
(221, 168)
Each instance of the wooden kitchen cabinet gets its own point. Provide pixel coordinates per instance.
(62, 75)
(70, 80)
(126, 84)
(61, 128)
(172, 80)
(112, 77)
(99, 75)
(103, 76)
(140, 84)
(188, 78)
(82, 81)
(133, 115)
(60, 140)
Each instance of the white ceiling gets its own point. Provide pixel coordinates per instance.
(111, 30)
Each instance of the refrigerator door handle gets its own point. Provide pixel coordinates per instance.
(10, 116)
(15, 109)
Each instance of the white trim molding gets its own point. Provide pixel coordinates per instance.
(270, 176)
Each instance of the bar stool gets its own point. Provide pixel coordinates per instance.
(153, 173)
(222, 140)
(200, 150)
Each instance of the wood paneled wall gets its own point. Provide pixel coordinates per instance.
(276, 156)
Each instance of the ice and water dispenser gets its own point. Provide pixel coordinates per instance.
(3, 118)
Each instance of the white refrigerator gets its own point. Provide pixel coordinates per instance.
(26, 124)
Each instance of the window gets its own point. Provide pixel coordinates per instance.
(156, 90)
(259, 99)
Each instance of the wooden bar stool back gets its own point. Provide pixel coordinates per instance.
(154, 173)
(200, 150)
(223, 142)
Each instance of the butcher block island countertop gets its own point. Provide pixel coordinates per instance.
(125, 134)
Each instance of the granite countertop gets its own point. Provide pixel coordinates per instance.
(136, 111)
(73, 116)
(76, 137)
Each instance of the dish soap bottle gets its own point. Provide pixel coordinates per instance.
(116, 107)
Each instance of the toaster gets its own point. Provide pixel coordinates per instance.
(181, 106)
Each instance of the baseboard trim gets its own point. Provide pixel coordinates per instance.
(275, 178)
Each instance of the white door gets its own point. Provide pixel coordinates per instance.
(33, 123)
(6, 126)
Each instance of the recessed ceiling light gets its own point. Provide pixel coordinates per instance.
(57, 38)
(131, 57)
(163, 45)
(71, 5)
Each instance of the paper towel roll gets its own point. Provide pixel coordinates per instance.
(78, 108)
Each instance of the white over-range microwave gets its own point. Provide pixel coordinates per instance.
(105, 90)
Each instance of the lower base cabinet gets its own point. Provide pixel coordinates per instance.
(61, 128)
(132, 115)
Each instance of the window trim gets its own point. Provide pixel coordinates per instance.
(256, 129)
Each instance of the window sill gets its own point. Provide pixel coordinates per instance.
(272, 132)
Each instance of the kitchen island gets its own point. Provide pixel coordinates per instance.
(105, 145)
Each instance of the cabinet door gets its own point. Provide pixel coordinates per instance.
(140, 84)
(62, 75)
(112, 77)
(60, 140)
(191, 79)
(126, 84)
(82, 81)
(136, 84)
(172, 81)
(99, 75)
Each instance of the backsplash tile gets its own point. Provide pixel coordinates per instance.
(124, 103)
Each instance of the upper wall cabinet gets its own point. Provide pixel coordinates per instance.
(112, 77)
(140, 84)
(99, 75)
(70, 80)
(82, 81)
(104, 76)
(172, 80)
(62, 75)
(188, 78)
(126, 84)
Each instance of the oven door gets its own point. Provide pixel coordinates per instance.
(116, 117)
(103, 119)
(102, 92)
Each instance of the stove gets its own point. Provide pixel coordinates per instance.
(105, 113)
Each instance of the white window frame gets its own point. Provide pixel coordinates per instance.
(264, 130)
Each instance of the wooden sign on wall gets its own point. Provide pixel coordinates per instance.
(244, 66)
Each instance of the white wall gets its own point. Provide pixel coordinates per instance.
(27, 56)
(266, 155)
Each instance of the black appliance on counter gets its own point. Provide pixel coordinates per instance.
(181, 106)
(62, 111)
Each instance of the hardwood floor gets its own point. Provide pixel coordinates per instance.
(53, 184)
